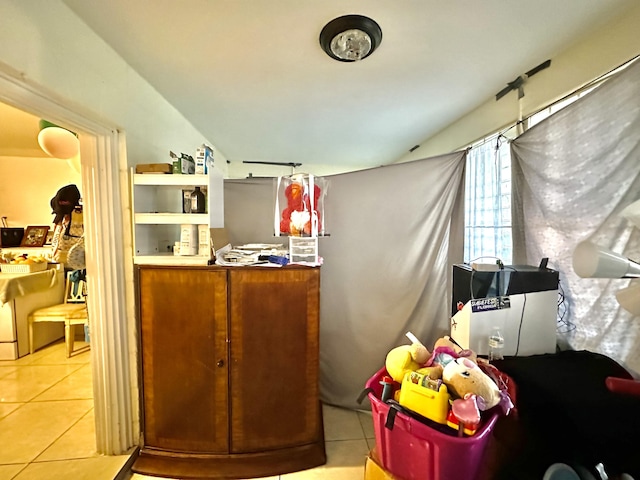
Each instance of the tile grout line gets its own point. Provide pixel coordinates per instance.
(22, 404)
(49, 363)
(24, 467)
(35, 459)
(55, 384)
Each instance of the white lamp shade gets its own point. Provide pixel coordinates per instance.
(58, 142)
(629, 298)
(592, 261)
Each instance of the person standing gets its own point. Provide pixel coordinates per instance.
(68, 222)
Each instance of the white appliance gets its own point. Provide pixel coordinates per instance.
(14, 327)
(520, 300)
(527, 322)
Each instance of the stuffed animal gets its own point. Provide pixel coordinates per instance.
(445, 350)
(405, 358)
(447, 342)
(463, 376)
(409, 358)
(297, 217)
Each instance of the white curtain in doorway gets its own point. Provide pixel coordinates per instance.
(573, 173)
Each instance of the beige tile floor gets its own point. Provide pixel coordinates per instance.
(348, 439)
(46, 418)
(47, 425)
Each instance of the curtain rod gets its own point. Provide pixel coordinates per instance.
(596, 81)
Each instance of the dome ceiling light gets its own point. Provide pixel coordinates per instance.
(350, 38)
(58, 142)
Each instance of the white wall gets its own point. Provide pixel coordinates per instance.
(600, 52)
(45, 43)
(27, 185)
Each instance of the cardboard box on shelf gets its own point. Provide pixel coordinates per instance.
(188, 240)
(204, 159)
(184, 165)
(204, 241)
(219, 238)
(154, 168)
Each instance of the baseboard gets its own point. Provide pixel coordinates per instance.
(125, 472)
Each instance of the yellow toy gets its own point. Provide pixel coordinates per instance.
(431, 381)
(425, 396)
(407, 359)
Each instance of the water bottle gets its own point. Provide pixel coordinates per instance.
(496, 344)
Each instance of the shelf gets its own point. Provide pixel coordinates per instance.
(170, 259)
(171, 218)
(170, 179)
(158, 204)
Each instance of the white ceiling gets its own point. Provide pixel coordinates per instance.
(251, 77)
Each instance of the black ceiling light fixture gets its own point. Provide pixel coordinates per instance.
(350, 38)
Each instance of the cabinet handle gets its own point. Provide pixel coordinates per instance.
(220, 363)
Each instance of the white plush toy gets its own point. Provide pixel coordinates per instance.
(463, 377)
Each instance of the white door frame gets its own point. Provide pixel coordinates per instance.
(109, 257)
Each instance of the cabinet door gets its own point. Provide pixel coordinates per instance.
(183, 321)
(274, 358)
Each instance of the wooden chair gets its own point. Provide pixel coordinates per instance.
(72, 312)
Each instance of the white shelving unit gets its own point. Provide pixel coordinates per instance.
(157, 215)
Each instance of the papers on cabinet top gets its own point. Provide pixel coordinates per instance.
(249, 254)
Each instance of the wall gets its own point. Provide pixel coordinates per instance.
(43, 44)
(27, 185)
(49, 46)
(598, 53)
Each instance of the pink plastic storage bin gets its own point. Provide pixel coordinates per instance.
(413, 450)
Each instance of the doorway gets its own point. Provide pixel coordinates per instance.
(109, 260)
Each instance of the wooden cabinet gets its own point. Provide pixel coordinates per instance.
(183, 333)
(229, 371)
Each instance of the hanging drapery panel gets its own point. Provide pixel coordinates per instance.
(573, 174)
(395, 233)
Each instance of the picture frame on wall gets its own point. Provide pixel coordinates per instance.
(49, 240)
(35, 236)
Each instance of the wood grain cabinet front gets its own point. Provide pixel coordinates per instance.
(229, 361)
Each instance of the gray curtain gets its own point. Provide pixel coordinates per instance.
(395, 232)
(572, 175)
(248, 211)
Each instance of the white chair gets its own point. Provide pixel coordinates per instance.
(72, 312)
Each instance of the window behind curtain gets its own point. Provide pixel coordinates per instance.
(550, 110)
(488, 187)
(488, 202)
